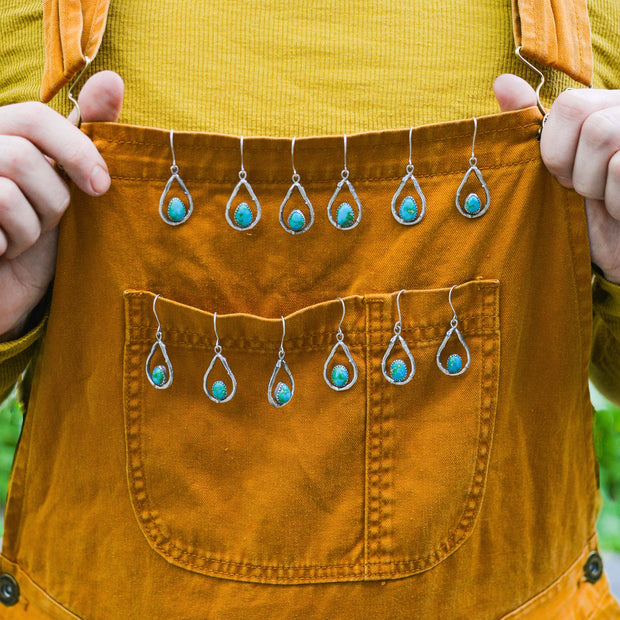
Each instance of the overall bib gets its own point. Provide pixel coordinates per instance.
(469, 496)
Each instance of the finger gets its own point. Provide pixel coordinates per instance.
(559, 140)
(101, 98)
(599, 141)
(612, 187)
(24, 164)
(18, 220)
(56, 137)
(513, 93)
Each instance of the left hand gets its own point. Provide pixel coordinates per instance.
(580, 146)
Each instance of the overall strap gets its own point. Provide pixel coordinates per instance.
(555, 33)
(73, 31)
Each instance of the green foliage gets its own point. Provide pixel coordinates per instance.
(607, 441)
(10, 428)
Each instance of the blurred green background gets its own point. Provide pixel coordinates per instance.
(606, 437)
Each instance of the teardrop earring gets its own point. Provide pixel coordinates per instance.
(219, 392)
(454, 364)
(283, 392)
(409, 212)
(176, 211)
(339, 378)
(473, 207)
(160, 376)
(243, 218)
(296, 221)
(398, 374)
(345, 214)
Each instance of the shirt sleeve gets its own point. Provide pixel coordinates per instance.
(605, 354)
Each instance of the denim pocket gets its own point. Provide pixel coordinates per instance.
(375, 482)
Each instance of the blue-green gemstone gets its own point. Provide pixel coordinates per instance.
(159, 375)
(296, 220)
(219, 390)
(340, 375)
(176, 209)
(243, 215)
(408, 209)
(282, 393)
(344, 215)
(472, 204)
(455, 363)
(398, 370)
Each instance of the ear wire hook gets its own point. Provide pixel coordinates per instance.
(281, 352)
(242, 173)
(454, 322)
(473, 159)
(158, 334)
(345, 170)
(340, 335)
(410, 165)
(218, 348)
(398, 324)
(70, 96)
(540, 84)
(174, 168)
(295, 175)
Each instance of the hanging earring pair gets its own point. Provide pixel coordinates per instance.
(472, 206)
(176, 211)
(242, 218)
(454, 364)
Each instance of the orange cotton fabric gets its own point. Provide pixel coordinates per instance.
(450, 496)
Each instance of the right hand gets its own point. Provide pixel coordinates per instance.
(33, 196)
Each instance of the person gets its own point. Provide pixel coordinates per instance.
(359, 507)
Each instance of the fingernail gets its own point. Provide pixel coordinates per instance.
(99, 180)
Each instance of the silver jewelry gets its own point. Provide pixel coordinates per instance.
(473, 207)
(454, 364)
(283, 392)
(398, 374)
(296, 222)
(160, 376)
(339, 379)
(177, 211)
(409, 212)
(219, 392)
(243, 218)
(345, 214)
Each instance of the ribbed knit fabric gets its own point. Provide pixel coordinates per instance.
(284, 68)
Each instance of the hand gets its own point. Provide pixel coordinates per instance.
(33, 197)
(580, 145)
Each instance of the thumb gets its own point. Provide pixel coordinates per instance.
(513, 93)
(101, 98)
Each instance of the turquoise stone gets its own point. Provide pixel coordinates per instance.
(398, 370)
(159, 375)
(176, 209)
(296, 220)
(340, 375)
(455, 363)
(408, 209)
(243, 215)
(344, 215)
(472, 204)
(219, 390)
(282, 393)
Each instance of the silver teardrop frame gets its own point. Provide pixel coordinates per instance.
(229, 372)
(341, 184)
(162, 200)
(297, 185)
(398, 338)
(349, 357)
(162, 348)
(418, 190)
(280, 364)
(442, 346)
(243, 183)
(473, 168)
